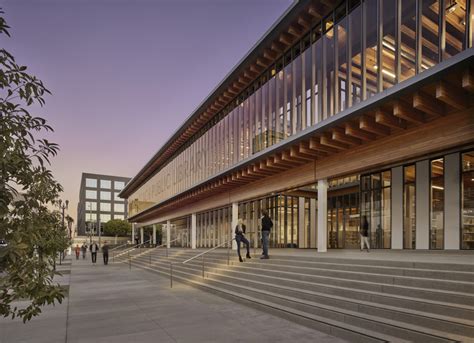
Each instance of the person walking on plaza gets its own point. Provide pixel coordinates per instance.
(105, 253)
(94, 248)
(77, 249)
(364, 234)
(84, 250)
(267, 225)
(240, 237)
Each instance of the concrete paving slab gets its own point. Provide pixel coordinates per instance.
(113, 304)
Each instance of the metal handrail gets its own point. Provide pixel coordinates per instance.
(122, 245)
(202, 254)
(150, 251)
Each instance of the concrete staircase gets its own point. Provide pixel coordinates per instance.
(361, 300)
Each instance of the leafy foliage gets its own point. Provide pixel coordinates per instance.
(27, 187)
(117, 227)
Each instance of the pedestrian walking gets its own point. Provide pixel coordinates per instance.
(84, 250)
(77, 249)
(267, 225)
(364, 234)
(105, 253)
(94, 248)
(240, 237)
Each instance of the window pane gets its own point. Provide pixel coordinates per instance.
(389, 10)
(119, 216)
(408, 48)
(468, 200)
(105, 207)
(371, 47)
(119, 185)
(119, 208)
(329, 73)
(356, 48)
(91, 206)
(91, 194)
(104, 218)
(116, 197)
(298, 69)
(91, 217)
(105, 195)
(107, 184)
(308, 70)
(341, 29)
(437, 204)
(409, 193)
(91, 183)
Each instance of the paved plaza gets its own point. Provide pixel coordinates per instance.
(113, 304)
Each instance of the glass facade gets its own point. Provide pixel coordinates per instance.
(409, 207)
(104, 195)
(119, 185)
(91, 194)
(105, 207)
(92, 183)
(437, 204)
(355, 52)
(467, 199)
(105, 184)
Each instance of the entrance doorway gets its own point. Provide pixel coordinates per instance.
(343, 221)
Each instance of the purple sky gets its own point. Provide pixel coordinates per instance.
(126, 73)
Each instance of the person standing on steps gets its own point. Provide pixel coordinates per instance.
(84, 250)
(364, 234)
(94, 248)
(105, 253)
(240, 237)
(267, 225)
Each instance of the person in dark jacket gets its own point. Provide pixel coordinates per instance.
(267, 225)
(84, 250)
(105, 253)
(364, 234)
(94, 248)
(240, 237)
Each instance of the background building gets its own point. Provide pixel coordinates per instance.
(343, 110)
(99, 200)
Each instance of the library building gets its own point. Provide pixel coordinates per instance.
(343, 111)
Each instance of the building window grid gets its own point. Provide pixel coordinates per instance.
(363, 80)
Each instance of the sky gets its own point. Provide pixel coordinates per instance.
(125, 74)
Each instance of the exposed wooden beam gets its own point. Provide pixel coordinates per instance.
(262, 61)
(295, 30)
(250, 74)
(315, 12)
(339, 135)
(278, 47)
(256, 68)
(386, 119)
(286, 156)
(296, 153)
(328, 141)
(468, 80)
(315, 144)
(244, 79)
(285, 38)
(368, 124)
(305, 149)
(407, 112)
(354, 131)
(270, 162)
(452, 95)
(305, 21)
(278, 159)
(269, 54)
(425, 103)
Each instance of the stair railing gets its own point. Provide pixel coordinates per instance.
(202, 254)
(130, 258)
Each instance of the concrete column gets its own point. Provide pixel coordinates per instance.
(141, 236)
(133, 233)
(193, 231)
(312, 214)
(322, 215)
(397, 208)
(422, 206)
(302, 238)
(452, 203)
(154, 234)
(168, 234)
(235, 217)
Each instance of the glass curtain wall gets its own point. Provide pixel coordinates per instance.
(467, 197)
(213, 227)
(357, 51)
(409, 210)
(343, 221)
(437, 204)
(376, 207)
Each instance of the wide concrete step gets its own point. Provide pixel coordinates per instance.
(395, 329)
(455, 326)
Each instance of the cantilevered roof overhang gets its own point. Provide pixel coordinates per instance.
(292, 25)
(437, 92)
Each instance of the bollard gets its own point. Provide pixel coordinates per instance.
(171, 274)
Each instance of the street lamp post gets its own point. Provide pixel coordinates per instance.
(63, 207)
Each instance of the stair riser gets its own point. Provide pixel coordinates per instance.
(340, 317)
(419, 273)
(382, 313)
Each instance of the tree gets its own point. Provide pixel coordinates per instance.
(117, 227)
(27, 189)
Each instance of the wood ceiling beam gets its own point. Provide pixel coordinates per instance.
(368, 124)
(305, 21)
(425, 103)
(468, 80)
(354, 131)
(286, 38)
(295, 152)
(339, 135)
(256, 68)
(270, 54)
(270, 162)
(286, 156)
(278, 47)
(305, 149)
(315, 144)
(262, 61)
(405, 111)
(250, 74)
(383, 118)
(452, 95)
(278, 160)
(296, 30)
(326, 140)
(315, 12)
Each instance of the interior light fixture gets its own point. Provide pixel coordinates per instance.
(451, 8)
(386, 72)
(437, 187)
